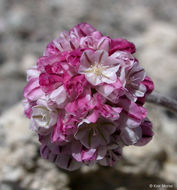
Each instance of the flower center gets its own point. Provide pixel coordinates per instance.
(97, 69)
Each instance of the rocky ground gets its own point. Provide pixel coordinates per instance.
(25, 28)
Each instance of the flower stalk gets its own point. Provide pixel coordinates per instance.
(164, 101)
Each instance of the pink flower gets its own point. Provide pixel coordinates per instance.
(64, 129)
(146, 131)
(80, 107)
(148, 83)
(75, 86)
(85, 97)
(122, 45)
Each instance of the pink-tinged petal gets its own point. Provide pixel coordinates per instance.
(49, 82)
(125, 59)
(51, 49)
(132, 81)
(109, 112)
(140, 91)
(85, 155)
(94, 80)
(82, 29)
(32, 84)
(43, 61)
(100, 57)
(28, 107)
(75, 86)
(97, 35)
(65, 128)
(93, 117)
(120, 44)
(104, 110)
(95, 42)
(110, 74)
(148, 83)
(80, 107)
(112, 92)
(66, 42)
(73, 59)
(88, 154)
(32, 90)
(59, 96)
(104, 44)
(86, 60)
(57, 132)
(35, 94)
(32, 73)
(132, 114)
(131, 136)
(147, 133)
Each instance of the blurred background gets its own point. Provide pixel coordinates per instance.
(26, 26)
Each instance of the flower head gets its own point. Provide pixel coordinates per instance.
(85, 97)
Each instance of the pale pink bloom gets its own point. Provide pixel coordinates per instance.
(85, 97)
(98, 67)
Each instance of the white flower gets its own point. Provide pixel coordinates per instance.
(42, 118)
(98, 67)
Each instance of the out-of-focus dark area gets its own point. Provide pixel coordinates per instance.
(26, 26)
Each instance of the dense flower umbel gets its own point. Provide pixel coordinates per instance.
(85, 99)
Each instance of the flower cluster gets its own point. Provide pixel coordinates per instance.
(85, 97)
